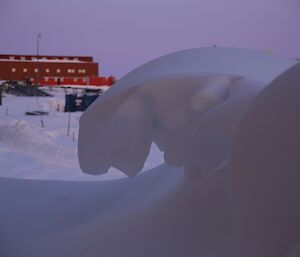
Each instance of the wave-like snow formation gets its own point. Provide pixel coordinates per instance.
(191, 118)
(189, 103)
(226, 120)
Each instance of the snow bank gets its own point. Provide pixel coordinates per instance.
(29, 151)
(25, 137)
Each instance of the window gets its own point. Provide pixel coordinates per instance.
(46, 79)
(76, 59)
(36, 70)
(23, 58)
(57, 70)
(11, 57)
(47, 70)
(81, 71)
(24, 70)
(13, 70)
(62, 79)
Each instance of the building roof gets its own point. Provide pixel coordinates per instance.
(45, 58)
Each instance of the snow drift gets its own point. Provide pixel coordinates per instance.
(211, 111)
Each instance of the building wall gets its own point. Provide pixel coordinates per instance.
(48, 70)
(18, 70)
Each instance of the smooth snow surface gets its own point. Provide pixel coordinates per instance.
(265, 166)
(158, 213)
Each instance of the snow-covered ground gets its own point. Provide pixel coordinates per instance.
(30, 151)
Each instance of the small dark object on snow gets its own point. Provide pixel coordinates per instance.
(37, 113)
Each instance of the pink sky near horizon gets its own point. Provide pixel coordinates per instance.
(122, 35)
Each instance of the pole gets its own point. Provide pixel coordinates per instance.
(69, 123)
(38, 68)
(0, 94)
(38, 57)
(42, 123)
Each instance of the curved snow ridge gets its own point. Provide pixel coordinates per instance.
(248, 63)
(95, 200)
(28, 138)
(106, 212)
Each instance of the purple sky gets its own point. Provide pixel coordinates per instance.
(123, 34)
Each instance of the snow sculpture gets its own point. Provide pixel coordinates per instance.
(189, 103)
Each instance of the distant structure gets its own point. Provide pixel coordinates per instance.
(52, 70)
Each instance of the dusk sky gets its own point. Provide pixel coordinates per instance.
(123, 34)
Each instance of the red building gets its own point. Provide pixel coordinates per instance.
(52, 70)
